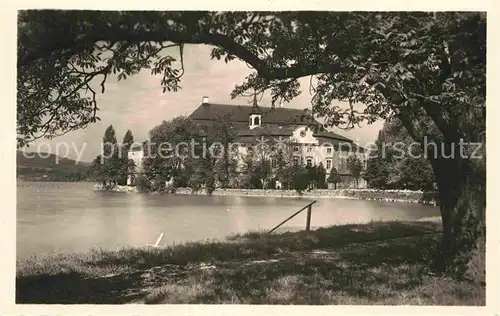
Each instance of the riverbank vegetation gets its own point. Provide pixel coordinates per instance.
(396, 163)
(113, 166)
(375, 263)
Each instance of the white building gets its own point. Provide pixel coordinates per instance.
(256, 125)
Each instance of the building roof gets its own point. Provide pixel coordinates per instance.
(332, 135)
(267, 130)
(270, 116)
(240, 113)
(276, 122)
(274, 130)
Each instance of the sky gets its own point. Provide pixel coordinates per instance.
(139, 104)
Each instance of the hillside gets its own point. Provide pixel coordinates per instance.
(50, 167)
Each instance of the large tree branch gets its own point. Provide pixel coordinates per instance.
(74, 44)
(408, 123)
(436, 113)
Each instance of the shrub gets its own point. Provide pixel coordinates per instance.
(300, 179)
(142, 184)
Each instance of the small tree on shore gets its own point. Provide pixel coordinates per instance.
(320, 176)
(334, 177)
(225, 134)
(355, 167)
(283, 169)
(127, 166)
(97, 170)
(258, 167)
(300, 178)
(166, 162)
(142, 184)
(111, 162)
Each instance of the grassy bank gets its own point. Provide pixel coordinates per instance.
(376, 263)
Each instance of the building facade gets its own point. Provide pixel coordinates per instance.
(269, 128)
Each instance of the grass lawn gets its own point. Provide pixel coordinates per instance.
(375, 263)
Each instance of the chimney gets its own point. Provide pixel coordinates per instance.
(205, 100)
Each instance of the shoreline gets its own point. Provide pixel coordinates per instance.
(395, 196)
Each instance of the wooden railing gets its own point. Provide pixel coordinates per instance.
(308, 219)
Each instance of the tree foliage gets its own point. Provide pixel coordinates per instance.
(398, 162)
(355, 167)
(168, 146)
(127, 166)
(334, 177)
(110, 159)
(128, 141)
(301, 178)
(112, 166)
(259, 166)
(223, 133)
(283, 169)
(317, 176)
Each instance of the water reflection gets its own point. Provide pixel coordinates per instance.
(139, 232)
(73, 218)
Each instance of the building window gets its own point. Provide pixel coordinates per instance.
(309, 149)
(329, 150)
(328, 164)
(256, 121)
(296, 160)
(296, 149)
(309, 162)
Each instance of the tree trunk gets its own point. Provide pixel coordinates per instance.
(226, 166)
(462, 200)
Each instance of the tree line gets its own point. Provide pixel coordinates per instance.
(396, 163)
(112, 166)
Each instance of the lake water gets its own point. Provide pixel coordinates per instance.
(71, 217)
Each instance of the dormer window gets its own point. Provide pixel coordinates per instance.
(255, 120)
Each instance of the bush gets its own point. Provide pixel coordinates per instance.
(142, 184)
(300, 179)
